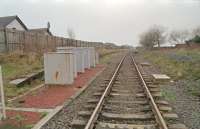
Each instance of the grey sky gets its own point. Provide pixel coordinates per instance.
(119, 21)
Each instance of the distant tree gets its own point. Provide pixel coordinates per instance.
(196, 32)
(196, 39)
(158, 33)
(71, 33)
(154, 36)
(178, 36)
(147, 40)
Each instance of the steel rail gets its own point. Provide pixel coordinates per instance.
(94, 116)
(156, 111)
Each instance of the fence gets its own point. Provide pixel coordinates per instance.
(14, 40)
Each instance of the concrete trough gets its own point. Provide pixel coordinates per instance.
(79, 56)
(59, 68)
(92, 56)
(80, 60)
(96, 58)
(86, 57)
(75, 56)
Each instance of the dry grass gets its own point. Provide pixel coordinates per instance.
(15, 65)
(181, 64)
(106, 54)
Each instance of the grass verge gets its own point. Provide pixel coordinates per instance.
(180, 64)
(17, 65)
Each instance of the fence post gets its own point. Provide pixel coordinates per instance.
(6, 40)
(24, 45)
(3, 110)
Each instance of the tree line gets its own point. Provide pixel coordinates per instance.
(157, 35)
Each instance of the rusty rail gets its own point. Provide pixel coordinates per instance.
(94, 116)
(160, 120)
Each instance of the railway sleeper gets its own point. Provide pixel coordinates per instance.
(114, 116)
(90, 106)
(102, 125)
(120, 95)
(165, 108)
(144, 102)
(170, 116)
(93, 101)
(97, 94)
(155, 94)
(177, 126)
(133, 77)
(78, 124)
(125, 86)
(121, 91)
(151, 90)
(85, 114)
(117, 82)
(153, 86)
(144, 109)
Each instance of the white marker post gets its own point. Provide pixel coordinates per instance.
(2, 103)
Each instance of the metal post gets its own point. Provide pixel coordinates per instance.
(3, 110)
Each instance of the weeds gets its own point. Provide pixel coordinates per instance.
(180, 64)
(169, 95)
(16, 65)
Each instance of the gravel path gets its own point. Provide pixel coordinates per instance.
(64, 118)
(184, 104)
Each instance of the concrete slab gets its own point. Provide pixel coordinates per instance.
(170, 115)
(29, 109)
(177, 126)
(27, 78)
(17, 81)
(145, 64)
(160, 77)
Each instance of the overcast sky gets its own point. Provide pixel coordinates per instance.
(119, 21)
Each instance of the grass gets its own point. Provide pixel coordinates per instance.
(169, 95)
(180, 64)
(9, 126)
(15, 65)
(106, 54)
(43, 114)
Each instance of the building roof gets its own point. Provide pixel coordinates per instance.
(4, 21)
(41, 30)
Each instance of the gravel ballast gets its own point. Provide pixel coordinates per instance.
(184, 104)
(63, 119)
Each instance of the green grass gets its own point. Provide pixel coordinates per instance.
(8, 126)
(180, 65)
(43, 114)
(15, 65)
(169, 95)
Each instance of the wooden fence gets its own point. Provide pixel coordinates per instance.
(12, 40)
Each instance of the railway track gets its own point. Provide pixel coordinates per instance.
(129, 100)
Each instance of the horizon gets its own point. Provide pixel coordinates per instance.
(113, 21)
